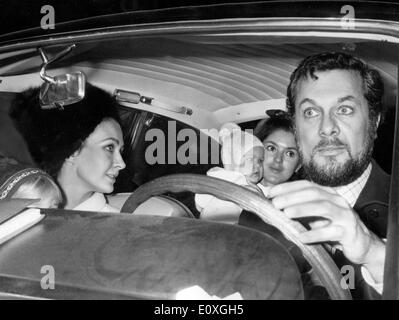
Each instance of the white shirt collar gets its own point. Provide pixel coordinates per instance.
(351, 191)
(96, 202)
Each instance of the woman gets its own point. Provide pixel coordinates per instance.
(281, 153)
(79, 146)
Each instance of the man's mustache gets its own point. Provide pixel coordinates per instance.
(325, 143)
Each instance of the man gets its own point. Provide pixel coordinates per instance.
(335, 102)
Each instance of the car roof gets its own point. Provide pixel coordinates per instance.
(223, 60)
(24, 17)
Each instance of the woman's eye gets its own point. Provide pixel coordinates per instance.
(270, 148)
(310, 113)
(110, 148)
(291, 154)
(345, 110)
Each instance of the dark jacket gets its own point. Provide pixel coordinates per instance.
(372, 208)
(372, 204)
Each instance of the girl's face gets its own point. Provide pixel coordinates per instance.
(281, 157)
(252, 165)
(99, 161)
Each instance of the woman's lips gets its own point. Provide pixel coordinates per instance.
(111, 176)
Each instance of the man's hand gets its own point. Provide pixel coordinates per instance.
(335, 220)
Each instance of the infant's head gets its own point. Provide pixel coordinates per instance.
(242, 152)
(20, 182)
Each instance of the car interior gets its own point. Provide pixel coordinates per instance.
(197, 81)
(219, 78)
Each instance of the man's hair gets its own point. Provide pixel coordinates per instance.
(372, 82)
(54, 135)
(267, 126)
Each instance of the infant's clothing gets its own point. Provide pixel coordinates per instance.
(212, 208)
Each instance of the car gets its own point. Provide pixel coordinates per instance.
(181, 72)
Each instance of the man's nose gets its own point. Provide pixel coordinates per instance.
(328, 126)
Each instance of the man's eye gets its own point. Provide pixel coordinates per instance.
(270, 148)
(345, 110)
(310, 113)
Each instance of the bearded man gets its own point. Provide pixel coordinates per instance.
(335, 101)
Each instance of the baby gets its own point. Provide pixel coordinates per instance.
(17, 181)
(242, 156)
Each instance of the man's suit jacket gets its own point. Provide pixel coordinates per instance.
(373, 201)
(372, 208)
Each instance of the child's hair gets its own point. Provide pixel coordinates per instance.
(24, 182)
(42, 186)
(278, 120)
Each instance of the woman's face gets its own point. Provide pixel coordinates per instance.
(281, 157)
(99, 161)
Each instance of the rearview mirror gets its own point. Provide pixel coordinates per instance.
(64, 90)
(61, 90)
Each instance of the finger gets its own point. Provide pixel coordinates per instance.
(293, 186)
(324, 209)
(329, 233)
(308, 194)
(319, 224)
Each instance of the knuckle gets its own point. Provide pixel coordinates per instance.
(339, 231)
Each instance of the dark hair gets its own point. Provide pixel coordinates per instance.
(372, 82)
(54, 135)
(278, 120)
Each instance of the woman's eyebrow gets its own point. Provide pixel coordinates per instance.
(115, 140)
(111, 138)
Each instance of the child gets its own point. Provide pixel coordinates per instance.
(242, 156)
(17, 181)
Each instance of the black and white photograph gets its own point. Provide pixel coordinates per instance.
(193, 155)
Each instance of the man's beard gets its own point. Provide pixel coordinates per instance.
(337, 174)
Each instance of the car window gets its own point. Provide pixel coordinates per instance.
(156, 146)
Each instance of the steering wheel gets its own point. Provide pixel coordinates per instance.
(322, 264)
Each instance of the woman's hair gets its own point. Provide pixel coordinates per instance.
(278, 120)
(42, 186)
(54, 135)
